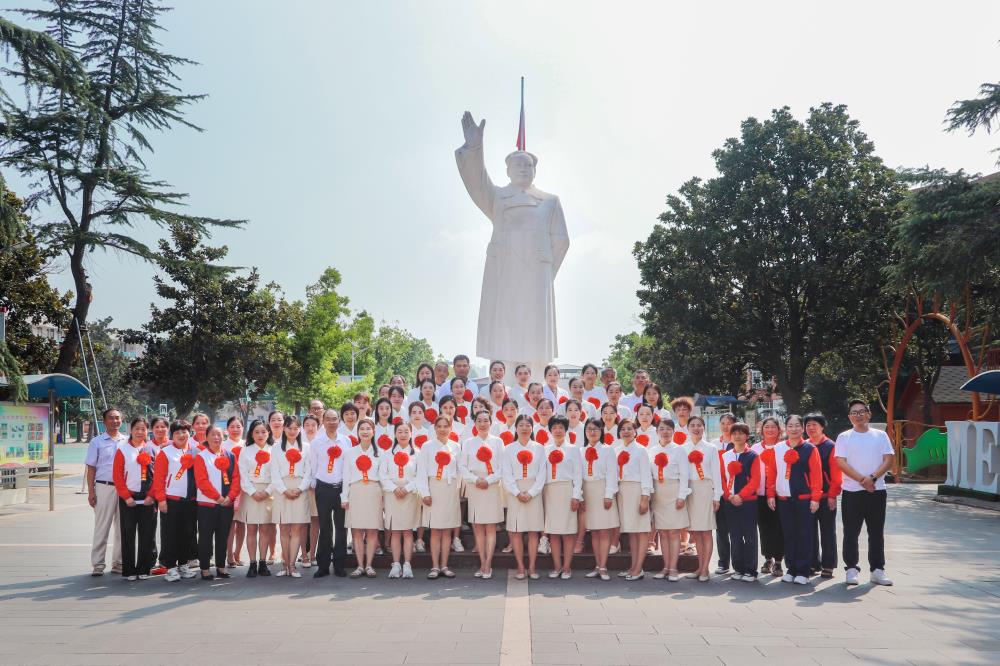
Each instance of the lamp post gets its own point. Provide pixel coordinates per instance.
(354, 352)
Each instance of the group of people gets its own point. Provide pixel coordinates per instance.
(406, 471)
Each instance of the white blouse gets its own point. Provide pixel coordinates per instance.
(472, 468)
(513, 471)
(677, 467)
(389, 472)
(249, 474)
(427, 466)
(567, 470)
(637, 467)
(709, 466)
(604, 468)
(649, 435)
(351, 472)
(301, 470)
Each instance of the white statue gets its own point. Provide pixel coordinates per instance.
(517, 309)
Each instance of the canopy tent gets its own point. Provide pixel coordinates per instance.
(715, 400)
(984, 382)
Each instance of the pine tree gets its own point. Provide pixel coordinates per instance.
(92, 89)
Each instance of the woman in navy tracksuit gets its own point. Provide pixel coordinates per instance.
(795, 485)
(740, 481)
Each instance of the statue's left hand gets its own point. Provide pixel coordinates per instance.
(473, 132)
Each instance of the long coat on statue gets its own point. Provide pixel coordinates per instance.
(517, 309)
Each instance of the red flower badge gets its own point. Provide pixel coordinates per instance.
(591, 455)
(661, 460)
(442, 458)
(524, 457)
(791, 457)
(485, 456)
(292, 456)
(332, 453)
(734, 468)
(401, 459)
(506, 437)
(261, 458)
(364, 465)
(384, 442)
(623, 459)
(555, 457)
(143, 460)
(696, 458)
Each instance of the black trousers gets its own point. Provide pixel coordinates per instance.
(797, 525)
(742, 522)
(137, 554)
(214, 523)
(869, 508)
(332, 532)
(156, 522)
(772, 542)
(722, 535)
(179, 524)
(825, 543)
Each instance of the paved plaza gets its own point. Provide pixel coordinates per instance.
(944, 608)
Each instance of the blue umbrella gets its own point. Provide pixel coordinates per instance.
(984, 382)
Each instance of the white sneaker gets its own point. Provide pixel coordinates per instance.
(749, 578)
(418, 546)
(566, 575)
(800, 580)
(554, 574)
(852, 577)
(379, 551)
(735, 577)
(592, 574)
(787, 578)
(143, 576)
(456, 545)
(407, 570)
(132, 579)
(395, 571)
(187, 572)
(879, 578)
(172, 575)
(544, 548)
(296, 574)
(194, 564)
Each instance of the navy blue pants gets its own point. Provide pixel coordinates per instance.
(798, 526)
(825, 537)
(722, 536)
(742, 523)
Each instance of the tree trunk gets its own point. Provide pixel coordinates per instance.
(71, 343)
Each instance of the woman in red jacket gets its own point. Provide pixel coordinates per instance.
(132, 471)
(825, 557)
(740, 481)
(218, 480)
(795, 484)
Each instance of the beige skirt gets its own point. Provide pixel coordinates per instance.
(525, 517)
(699, 506)
(559, 519)
(401, 514)
(629, 497)
(445, 511)
(313, 509)
(666, 515)
(286, 511)
(595, 515)
(252, 512)
(365, 512)
(485, 506)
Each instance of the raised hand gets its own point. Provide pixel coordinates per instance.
(473, 132)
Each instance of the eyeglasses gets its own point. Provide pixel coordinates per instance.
(858, 413)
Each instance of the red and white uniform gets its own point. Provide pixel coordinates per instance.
(170, 476)
(127, 473)
(214, 483)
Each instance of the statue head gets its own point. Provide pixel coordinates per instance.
(521, 167)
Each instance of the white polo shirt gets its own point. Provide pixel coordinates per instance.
(863, 452)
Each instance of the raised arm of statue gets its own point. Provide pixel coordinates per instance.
(472, 167)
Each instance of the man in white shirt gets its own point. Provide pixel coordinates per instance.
(462, 366)
(328, 481)
(640, 379)
(101, 492)
(864, 455)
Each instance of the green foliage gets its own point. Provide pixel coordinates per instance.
(120, 386)
(777, 259)
(220, 337)
(92, 90)
(979, 112)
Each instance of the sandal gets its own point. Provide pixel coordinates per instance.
(603, 572)
(433, 573)
(370, 572)
(519, 575)
(358, 573)
(660, 576)
(447, 573)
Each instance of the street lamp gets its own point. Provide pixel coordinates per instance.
(354, 352)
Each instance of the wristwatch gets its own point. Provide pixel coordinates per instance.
(873, 477)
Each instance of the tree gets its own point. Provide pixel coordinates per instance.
(396, 351)
(777, 259)
(92, 90)
(221, 335)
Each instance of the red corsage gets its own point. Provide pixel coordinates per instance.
(442, 458)
(661, 460)
(401, 458)
(485, 455)
(262, 458)
(591, 455)
(623, 459)
(555, 457)
(430, 414)
(461, 413)
(791, 457)
(396, 421)
(292, 456)
(524, 457)
(143, 460)
(696, 458)
(187, 460)
(734, 468)
(609, 438)
(332, 453)
(419, 441)
(384, 442)
(680, 437)
(595, 402)
(572, 438)
(364, 464)
(542, 436)
(506, 437)
(222, 464)
(643, 439)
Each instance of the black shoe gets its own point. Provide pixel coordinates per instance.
(222, 574)
(262, 569)
(207, 577)
(339, 573)
(320, 573)
(252, 570)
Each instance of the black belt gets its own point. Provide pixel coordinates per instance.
(332, 485)
(107, 483)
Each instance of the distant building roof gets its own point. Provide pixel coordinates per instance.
(947, 387)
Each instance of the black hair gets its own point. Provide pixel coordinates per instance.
(290, 419)
(179, 424)
(793, 416)
(198, 415)
(107, 411)
(559, 420)
(696, 417)
(506, 400)
(623, 422)
(857, 401)
(374, 446)
(136, 421)
(309, 417)
(157, 419)
(253, 425)
(492, 384)
(395, 442)
(591, 366)
(522, 365)
(375, 410)
(447, 398)
(420, 387)
(348, 407)
(541, 400)
(593, 422)
(500, 363)
(488, 412)
(739, 426)
(415, 405)
(402, 393)
(525, 417)
(229, 422)
(460, 357)
(815, 416)
(659, 393)
(416, 380)
(451, 384)
(669, 422)
(572, 401)
(728, 415)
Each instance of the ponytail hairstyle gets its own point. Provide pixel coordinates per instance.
(290, 419)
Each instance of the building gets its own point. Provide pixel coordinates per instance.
(130, 351)
(946, 403)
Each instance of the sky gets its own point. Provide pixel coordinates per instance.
(331, 127)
